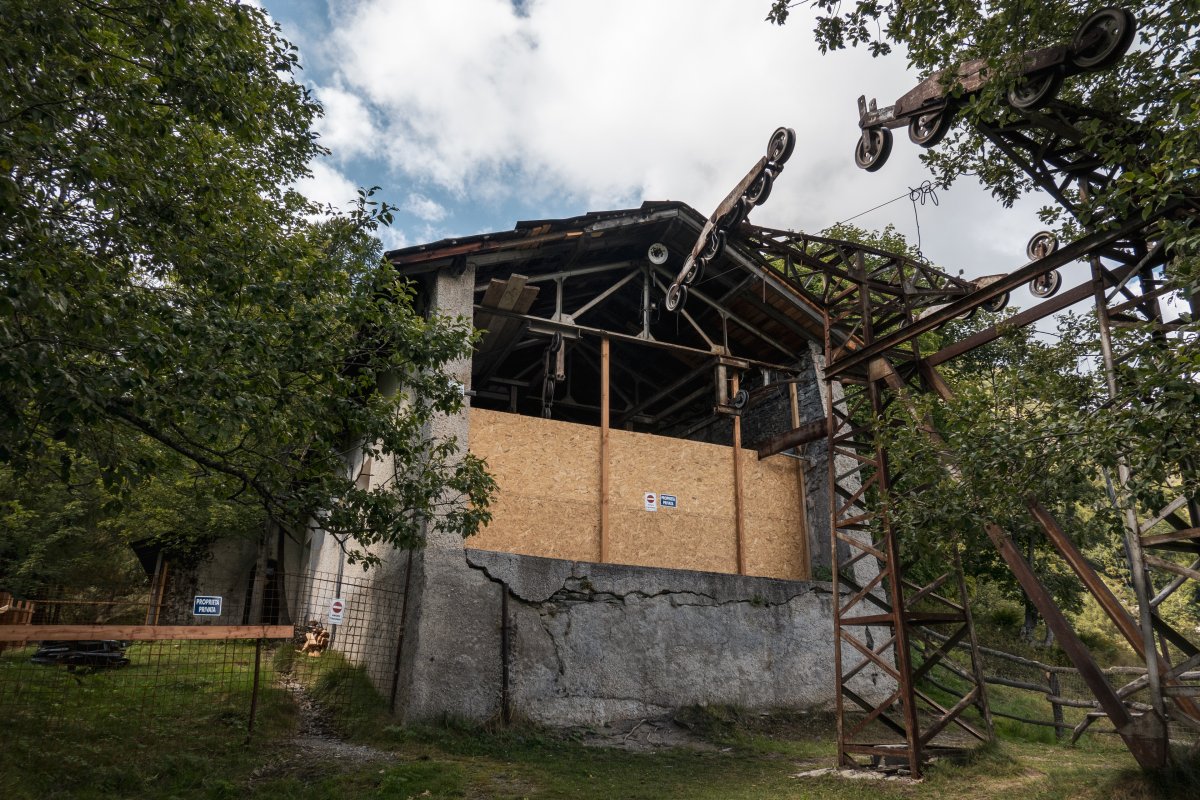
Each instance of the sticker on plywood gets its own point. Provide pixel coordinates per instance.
(651, 500)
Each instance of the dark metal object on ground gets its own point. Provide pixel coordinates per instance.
(98, 654)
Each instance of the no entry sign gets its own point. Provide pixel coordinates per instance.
(337, 611)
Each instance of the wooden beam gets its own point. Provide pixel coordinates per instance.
(802, 503)
(605, 361)
(141, 633)
(800, 434)
(1171, 566)
(1165, 539)
(738, 503)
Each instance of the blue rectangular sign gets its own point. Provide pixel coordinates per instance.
(206, 606)
(667, 500)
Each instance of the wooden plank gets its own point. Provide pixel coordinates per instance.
(142, 633)
(802, 501)
(739, 520)
(1171, 566)
(1161, 539)
(605, 409)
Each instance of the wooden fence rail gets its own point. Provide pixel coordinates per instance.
(1052, 689)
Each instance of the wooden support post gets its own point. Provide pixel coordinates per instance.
(738, 511)
(605, 359)
(802, 503)
(1056, 709)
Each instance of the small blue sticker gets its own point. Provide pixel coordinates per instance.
(667, 500)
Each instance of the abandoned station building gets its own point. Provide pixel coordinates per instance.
(641, 555)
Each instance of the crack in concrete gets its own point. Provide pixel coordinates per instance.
(578, 589)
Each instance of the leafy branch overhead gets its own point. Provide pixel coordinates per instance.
(158, 275)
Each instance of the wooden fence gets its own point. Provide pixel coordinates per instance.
(1061, 688)
(15, 612)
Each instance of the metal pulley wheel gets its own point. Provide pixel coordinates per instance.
(1103, 38)
(714, 245)
(759, 190)
(676, 296)
(734, 216)
(740, 399)
(927, 130)
(1035, 91)
(696, 270)
(1040, 245)
(657, 254)
(1046, 285)
(780, 145)
(873, 148)
(996, 304)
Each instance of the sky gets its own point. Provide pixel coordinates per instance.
(473, 114)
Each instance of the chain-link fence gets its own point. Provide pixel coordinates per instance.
(88, 666)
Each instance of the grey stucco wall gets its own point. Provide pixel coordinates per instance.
(597, 642)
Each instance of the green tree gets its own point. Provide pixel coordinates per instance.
(158, 275)
(70, 539)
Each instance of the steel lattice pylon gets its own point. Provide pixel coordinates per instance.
(875, 305)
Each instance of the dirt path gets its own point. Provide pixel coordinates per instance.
(315, 741)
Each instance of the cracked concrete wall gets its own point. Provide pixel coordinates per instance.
(597, 642)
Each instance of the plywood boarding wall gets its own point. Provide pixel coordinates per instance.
(549, 478)
(548, 502)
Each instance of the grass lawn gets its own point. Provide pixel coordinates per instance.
(201, 754)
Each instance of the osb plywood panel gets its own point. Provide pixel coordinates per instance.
(537, 526)
(772, 550)
(547, 504)
(674, 539)
(698, 473)
(548, 474)
(771, 485)
(544, 457)
(699, 533)
(774, 529)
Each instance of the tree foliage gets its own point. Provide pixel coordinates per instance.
(158, 275)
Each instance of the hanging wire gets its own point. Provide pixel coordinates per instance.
(921, 193)
(925, 192)
(874, 208)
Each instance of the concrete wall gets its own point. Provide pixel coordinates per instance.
(596, 642)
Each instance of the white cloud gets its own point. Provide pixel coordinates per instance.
(424, 208)
(611, 102)
(346, 127)
(327, 186)
(392, 238)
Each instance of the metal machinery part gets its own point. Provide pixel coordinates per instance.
(752, 190)
(928, 110)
